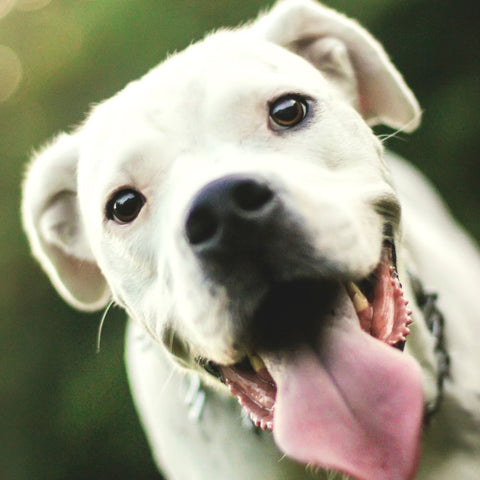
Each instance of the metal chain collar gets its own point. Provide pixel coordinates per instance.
(427, 301)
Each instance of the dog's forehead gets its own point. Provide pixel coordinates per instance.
(229, 59)
(225, 68)
(211, 88)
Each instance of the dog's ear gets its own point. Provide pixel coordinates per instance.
(348, 55)
(54, 227)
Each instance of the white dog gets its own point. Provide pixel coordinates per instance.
(236, 204)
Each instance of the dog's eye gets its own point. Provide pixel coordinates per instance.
(288, 111)
(125, 205)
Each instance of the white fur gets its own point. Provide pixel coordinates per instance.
(203, 114)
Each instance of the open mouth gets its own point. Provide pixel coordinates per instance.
(381, 311)
(329, 377)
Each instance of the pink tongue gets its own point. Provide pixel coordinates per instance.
(350, 403)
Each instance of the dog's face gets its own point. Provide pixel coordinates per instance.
(186, 126)
(235, 198)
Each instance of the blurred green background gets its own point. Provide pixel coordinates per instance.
(65, 411)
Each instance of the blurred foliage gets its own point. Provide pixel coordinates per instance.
(66, 411)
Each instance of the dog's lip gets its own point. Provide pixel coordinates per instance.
(254, 388)
(381, 310)
(384, 314)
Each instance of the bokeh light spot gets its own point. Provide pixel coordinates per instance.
(6, 6)
(10, 72)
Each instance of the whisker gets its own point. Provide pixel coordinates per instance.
(167, 381)
(283, 457)
(384, 138)
(100, 327)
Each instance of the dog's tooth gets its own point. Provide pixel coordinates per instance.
(359, 300)
(255, 420)
(256, 362)
(264, 425)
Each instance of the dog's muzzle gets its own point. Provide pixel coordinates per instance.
(250, 243)
(318, 367)
(246, 239)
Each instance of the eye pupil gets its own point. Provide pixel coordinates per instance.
(125, 206)
(286, 112)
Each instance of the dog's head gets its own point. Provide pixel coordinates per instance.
(236, 203)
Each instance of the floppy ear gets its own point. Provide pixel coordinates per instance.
(54, 227)
(348, 55)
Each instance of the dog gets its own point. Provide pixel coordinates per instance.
(301, 303)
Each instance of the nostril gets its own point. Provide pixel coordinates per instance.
(250, 195)
(201, 226)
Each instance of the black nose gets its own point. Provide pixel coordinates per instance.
(229, 214)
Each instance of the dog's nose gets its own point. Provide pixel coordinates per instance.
(228, 213)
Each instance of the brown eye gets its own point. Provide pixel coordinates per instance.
(125, 205)
(288, 111)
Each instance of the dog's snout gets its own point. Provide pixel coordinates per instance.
(227, 209)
